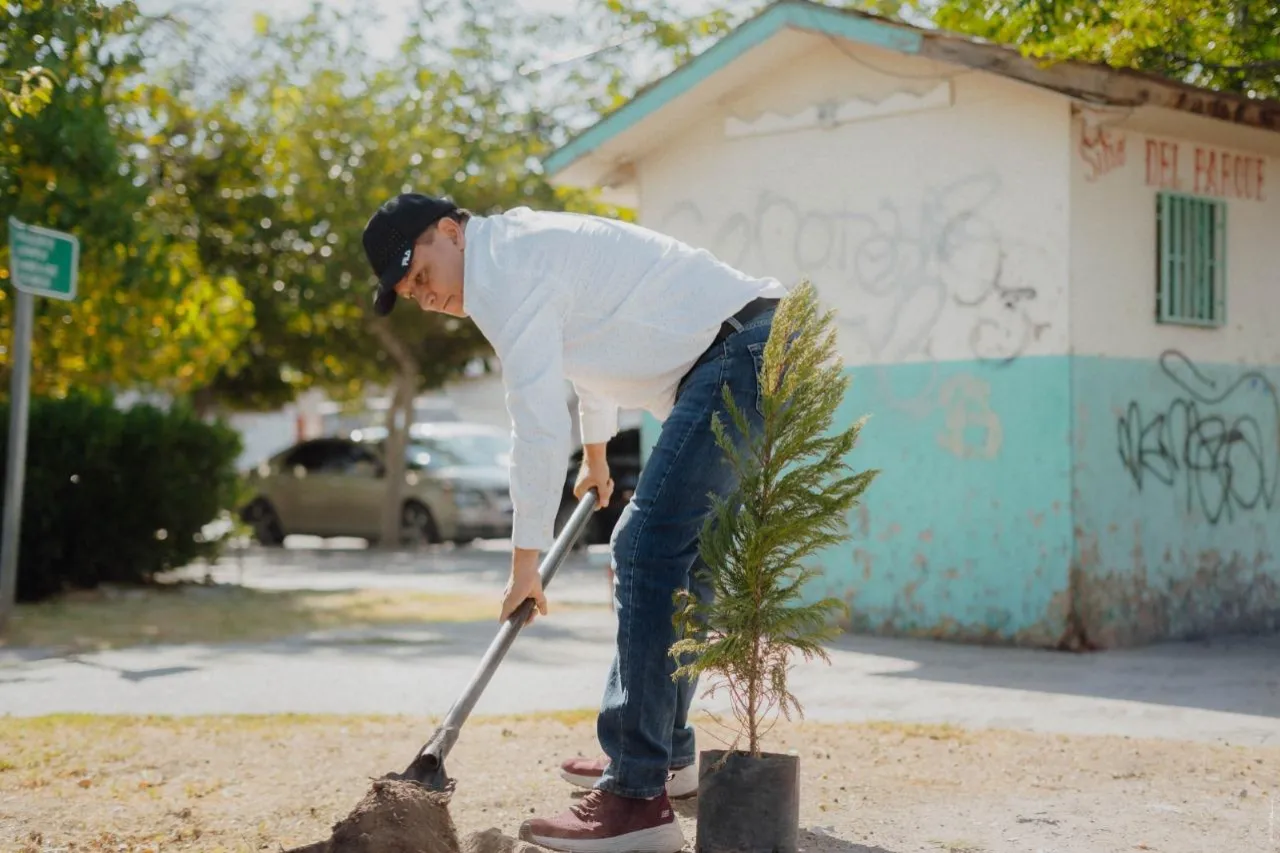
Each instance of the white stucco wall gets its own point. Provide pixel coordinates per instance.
(936, 223)
(1051, 459)
(1119, 164)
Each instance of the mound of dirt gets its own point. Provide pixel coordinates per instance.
(493, 841)
(403, 817)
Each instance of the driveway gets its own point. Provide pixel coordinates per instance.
(1226, 690)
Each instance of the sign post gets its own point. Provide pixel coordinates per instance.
(41, 263)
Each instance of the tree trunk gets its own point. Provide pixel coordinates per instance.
(202, 402)
(754, 677)
(399, 416)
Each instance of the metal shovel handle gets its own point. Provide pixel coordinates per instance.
(430, 760)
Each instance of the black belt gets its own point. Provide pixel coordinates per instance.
(732, 326)
(745, 315)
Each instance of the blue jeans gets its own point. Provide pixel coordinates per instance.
(643, 724)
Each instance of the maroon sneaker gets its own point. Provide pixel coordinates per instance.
(606, 823)
(682, 782)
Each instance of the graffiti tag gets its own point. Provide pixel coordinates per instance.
(1224, 442)
(972, 428)
(896, 269)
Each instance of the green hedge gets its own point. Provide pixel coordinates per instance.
(117, 496)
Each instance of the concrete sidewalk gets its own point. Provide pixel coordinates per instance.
(1226, 691)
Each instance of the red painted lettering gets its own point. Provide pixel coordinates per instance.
(1103, 151)
(1214, 172)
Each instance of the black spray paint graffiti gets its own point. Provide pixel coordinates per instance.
(900, 267)
(1224, 441)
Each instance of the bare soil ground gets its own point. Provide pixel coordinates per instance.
(132, 784)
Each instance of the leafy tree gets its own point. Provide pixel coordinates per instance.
(285, 166)
(461, 109)
(1227, 45)
(653, 35)
(32, 89)
(25, 87)
(795, 492)
(147, 314)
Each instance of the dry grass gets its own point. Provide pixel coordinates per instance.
(197, 613)
(233, 784)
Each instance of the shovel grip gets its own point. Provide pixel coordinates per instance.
(431, 757)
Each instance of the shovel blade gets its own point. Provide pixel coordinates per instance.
(428, 771)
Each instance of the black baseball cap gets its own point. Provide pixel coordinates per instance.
(389, 237)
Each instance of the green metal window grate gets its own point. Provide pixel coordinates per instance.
(1191, 250)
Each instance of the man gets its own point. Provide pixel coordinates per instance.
(634, 319)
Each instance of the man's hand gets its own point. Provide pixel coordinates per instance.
(524, 583)
(594, 473)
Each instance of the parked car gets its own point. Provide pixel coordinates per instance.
(623, 454)
(457, 487)
(338, 420)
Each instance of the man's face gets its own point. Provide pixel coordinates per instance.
(434, 280)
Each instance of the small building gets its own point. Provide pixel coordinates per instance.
(1058, 290)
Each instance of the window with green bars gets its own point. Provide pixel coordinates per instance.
(1191, 250)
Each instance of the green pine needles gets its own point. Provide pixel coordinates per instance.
(794, 496)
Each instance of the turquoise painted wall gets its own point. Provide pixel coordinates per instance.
(1177, 498)
(1113, 501)
(966, 533)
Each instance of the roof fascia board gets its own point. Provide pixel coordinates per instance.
(741, 40)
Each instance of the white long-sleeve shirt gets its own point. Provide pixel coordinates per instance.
(620, 311)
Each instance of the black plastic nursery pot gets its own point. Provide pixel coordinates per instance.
(746, 804)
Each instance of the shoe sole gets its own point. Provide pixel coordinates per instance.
(578, 779)
(659, 839)
(589, 782)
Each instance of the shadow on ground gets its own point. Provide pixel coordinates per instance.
(568, 653)
(1232, 675)
(1239, 675)
(477, 561)
(817, 841)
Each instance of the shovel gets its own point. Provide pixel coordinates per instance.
(427, 768)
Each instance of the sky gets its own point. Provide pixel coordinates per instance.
(222, 28)
(226, 19)
(231, 17)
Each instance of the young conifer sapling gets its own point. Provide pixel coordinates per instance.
(796, 490)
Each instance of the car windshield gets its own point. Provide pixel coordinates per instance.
(470, 449)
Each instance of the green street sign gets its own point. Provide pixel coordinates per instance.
(43, 262)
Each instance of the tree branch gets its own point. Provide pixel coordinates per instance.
(399, 417)
(396, 348)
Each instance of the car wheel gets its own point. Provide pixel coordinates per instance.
(417, 526)
(262, 517)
